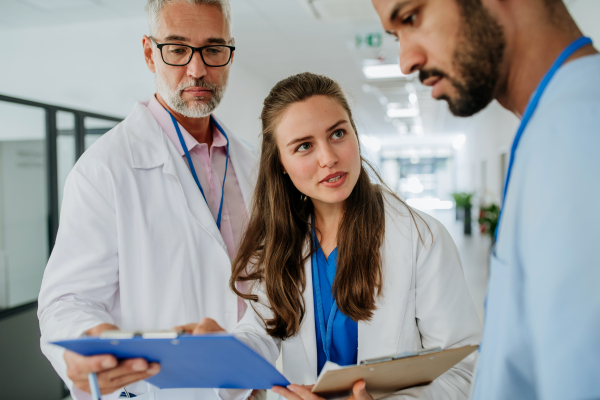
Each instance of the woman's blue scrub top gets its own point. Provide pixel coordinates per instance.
(344, 342)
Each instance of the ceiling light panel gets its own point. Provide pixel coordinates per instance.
(382, 71)
(403, 112)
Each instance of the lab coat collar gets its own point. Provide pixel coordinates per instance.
(146, 139)
(150, 147)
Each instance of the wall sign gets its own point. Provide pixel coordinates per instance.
(369, 40)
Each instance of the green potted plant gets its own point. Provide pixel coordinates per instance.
(463, 205)
(488, 220)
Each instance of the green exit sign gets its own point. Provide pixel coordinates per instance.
(369, 40)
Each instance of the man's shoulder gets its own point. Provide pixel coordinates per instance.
(573, 94)
(558, 154)
(569, 109)
(245, 145)
(138, 131)
(110, 148)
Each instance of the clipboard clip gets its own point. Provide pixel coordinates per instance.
(405, 354)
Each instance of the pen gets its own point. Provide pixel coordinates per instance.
(94, 388)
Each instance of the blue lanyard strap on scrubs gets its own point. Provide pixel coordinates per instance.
(326, 332)
(532, 105)
(191, 164)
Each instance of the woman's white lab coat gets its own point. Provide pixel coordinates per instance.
(137, 245)
(425, 303)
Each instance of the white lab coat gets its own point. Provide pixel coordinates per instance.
(137, 245)
(425, 303)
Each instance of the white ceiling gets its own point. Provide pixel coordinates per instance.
(274, 39)
(35, 13)
(295, 41)
(277, 38)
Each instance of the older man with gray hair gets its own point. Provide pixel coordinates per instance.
(154, 211)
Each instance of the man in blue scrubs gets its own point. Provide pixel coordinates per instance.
(542, 324)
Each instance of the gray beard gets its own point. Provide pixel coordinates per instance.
(199, 108)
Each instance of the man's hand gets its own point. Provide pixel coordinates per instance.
(112, 375)
(303, 392)
(207, 325)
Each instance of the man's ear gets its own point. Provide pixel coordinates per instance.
(233, 53)
(148, 53)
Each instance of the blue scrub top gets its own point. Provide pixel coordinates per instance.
(542, 325)
(344, 342)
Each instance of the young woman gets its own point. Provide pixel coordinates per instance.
(341, 268)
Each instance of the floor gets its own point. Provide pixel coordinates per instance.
(474, 252)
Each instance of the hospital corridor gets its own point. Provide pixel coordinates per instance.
(305, 185)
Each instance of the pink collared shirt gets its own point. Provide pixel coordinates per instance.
(210, 168)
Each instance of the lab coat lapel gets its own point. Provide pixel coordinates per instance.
(380, 336)
(243, 161)
(307, 327)
(195, 202)
(150, 148)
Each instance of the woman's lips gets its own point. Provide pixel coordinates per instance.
(338, 180)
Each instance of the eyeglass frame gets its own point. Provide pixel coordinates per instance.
(159, 46)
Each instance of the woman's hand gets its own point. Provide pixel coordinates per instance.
(303, 392)
(207, 325)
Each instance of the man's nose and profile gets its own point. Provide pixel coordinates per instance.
(308, 222)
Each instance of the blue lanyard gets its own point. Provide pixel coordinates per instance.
(532, 105)
(326, 333)
(191, 164)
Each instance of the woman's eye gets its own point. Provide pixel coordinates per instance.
(303, 147)
(338, 134)
(410, 19)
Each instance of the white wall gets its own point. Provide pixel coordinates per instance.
(490, 133)
(99, 66)
(587, 14)
(242, 103)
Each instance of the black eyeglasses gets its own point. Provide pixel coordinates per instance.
(179, 55)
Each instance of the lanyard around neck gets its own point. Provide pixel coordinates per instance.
(191, 164)
(326, 332)
(532, 105)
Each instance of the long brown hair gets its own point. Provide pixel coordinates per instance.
(273, 249)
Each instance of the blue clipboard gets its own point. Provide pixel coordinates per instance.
(189, 361)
